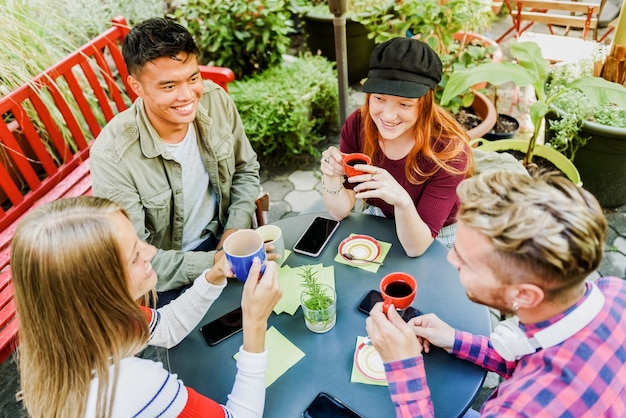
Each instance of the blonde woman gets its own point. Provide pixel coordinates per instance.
(78, 270)
(419, 152)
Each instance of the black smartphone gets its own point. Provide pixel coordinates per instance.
(223, 327)
(316, 236)
(327, 406)
(374, 296)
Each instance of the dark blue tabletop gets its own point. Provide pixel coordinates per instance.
(328, 360)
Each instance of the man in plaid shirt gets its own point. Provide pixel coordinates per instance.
(524, 246)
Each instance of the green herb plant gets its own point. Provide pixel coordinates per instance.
(315, 298)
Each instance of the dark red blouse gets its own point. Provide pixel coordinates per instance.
(435, 199)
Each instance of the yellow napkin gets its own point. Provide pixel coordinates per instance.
(373, 267)
(282, 354)
(291, 284)
(357, 376)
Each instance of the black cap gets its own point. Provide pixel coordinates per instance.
(403, 67)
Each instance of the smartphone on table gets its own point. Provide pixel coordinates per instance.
(374, 296)
(316, 236)
(223, 327)
(327, 406)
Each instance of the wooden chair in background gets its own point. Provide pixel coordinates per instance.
(567, 14)
(262, 206)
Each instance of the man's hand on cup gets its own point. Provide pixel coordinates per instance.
(432, 330)
(271, 255)
(390, 335)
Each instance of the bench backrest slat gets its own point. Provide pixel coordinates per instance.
(21, 155)
(97, 70)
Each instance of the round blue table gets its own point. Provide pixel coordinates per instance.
(328, 360)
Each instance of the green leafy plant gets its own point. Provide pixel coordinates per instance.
(315, 295)
(432, 21)
(532, 69)
(248, 36)
(286, 110)
(84, 26)
(575, 107)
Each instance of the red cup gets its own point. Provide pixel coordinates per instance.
(350, 160)
(398, 288)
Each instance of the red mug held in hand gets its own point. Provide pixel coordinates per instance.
(398, 289)
(350, 160)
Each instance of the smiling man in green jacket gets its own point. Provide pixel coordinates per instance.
(178, 159)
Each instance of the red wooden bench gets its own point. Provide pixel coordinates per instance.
(36, 163)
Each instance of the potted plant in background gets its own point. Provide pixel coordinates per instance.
(320, 36)
(319, 302)
(452, 28)
(532, 69)
(592, 136)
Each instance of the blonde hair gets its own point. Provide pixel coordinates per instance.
(541, 224)
(438, 137)
(76, 315)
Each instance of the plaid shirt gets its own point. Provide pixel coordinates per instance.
(584, 376)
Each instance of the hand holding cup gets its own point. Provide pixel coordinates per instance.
(241, 248)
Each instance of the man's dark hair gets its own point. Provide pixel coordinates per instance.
(155, 38)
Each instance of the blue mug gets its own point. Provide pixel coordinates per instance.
(241, 248)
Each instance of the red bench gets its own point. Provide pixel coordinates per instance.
(37, 165)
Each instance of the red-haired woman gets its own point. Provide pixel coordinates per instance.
(419, 152)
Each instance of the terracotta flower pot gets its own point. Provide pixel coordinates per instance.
(484, 108)
(469, 37)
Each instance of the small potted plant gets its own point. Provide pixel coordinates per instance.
(532, 69)
(319, 302)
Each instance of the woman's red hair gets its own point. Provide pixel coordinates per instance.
(438, 137)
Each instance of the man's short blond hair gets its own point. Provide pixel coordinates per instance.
(541, 224)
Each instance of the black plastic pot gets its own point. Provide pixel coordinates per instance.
(503, 135)
(601, 161)
(320, 36)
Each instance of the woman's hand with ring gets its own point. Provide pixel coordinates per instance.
(331, 164)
